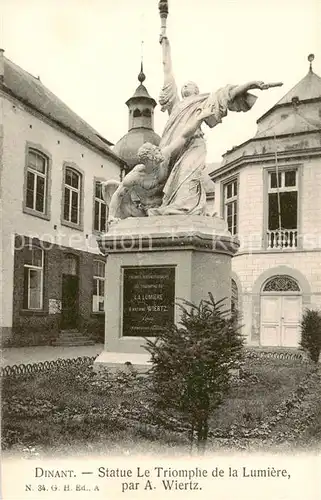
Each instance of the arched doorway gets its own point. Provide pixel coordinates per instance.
(281, 309)
(70, 292)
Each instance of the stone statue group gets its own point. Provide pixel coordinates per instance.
(169, 178)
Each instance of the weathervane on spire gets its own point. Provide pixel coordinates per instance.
(311, 59)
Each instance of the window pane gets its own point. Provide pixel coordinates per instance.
(32, 160)
(30, 189)
(66, 204)
(96, 218)
(101, 269)
(103, 217)
(34, 289)
(75, 180)
(289, 209)
(101, 305)
(29, 198)
(40, 194)
(74, 215)
(229, 193)
(74, 207)
(273, 182)
(235, 219)
(30, 180)
(37, 162)
(41, 164)
(273, 212)
(229, 210)
(68, 174)
(235, 188)
(74, 199)
(95, 303)
(98, 190)
(95, 293)
(101, 287)
(290, 178)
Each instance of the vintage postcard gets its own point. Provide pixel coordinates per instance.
(161, 252)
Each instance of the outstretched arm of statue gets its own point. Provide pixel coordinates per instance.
(242, 89)
(169, 95)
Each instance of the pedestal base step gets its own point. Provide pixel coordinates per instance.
(122, 361)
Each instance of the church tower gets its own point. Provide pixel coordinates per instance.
(140, 124)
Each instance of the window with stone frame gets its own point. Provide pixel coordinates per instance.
(36, 181)
(282, 208)
(99, 286)
(230, 197)
(100, 209)
(72, 196)
(33, 278)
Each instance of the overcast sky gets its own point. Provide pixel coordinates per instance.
(88, 53)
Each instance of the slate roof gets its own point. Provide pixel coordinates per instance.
(293, 123)
(31, 91)
(128, 146)
(140, 92)
(307, 88)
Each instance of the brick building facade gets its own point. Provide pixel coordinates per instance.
(52, 166)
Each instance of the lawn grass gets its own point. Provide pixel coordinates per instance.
(267, 382)
(76, 409)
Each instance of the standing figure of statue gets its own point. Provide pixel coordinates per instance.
(141, 190)
(184, 191)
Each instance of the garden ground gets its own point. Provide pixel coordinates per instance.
(275, 404)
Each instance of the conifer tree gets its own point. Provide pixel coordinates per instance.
(192, 363)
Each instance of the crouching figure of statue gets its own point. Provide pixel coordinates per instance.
(142, 188)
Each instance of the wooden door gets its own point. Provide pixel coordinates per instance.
(290, 321)
(70, 289)
(280, 320)
(270, 320)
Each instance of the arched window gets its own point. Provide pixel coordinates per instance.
(72, 194)
(136, 113)
(234, 296)
(36, 182)
(147, 112)
(281, 284)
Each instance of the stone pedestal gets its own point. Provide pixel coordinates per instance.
(152, 262)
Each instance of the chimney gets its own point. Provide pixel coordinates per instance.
(1, 66)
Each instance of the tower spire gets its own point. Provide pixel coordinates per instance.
(142, 76)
